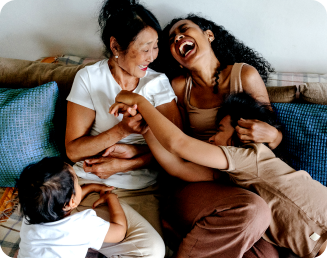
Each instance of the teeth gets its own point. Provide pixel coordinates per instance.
(182, 46)
(143, 66)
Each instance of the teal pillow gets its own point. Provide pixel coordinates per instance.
(304, 144)
(27, 130)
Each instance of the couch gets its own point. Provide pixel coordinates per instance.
(305, 90)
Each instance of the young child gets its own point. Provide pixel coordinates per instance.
(48, 192)
(298, 203)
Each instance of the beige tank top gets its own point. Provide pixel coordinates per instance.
(203, 121)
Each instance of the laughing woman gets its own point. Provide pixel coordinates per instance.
(130, 35)
(207, 63)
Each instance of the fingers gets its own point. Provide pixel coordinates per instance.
(247, 123)
(109, 150)
(132, 110)
(92, 161)
(241, 130)
(101, 200)
(117, 108)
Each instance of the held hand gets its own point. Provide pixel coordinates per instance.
(104, 198)
(104, 167)
(121, 108)
(121, 151)
(253, 130)
(135, 124)
(127, 97)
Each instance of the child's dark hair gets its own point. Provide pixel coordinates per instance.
(124, 20)
(242, 105)
(44, 188)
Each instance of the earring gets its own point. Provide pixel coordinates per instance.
(210, 40)
(181, 66)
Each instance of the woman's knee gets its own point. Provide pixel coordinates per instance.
(257, 213)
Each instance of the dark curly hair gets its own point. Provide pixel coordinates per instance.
(226, 47)
(44, 188)
(242, 105)
(124, 20)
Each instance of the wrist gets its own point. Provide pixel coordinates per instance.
(121, 131)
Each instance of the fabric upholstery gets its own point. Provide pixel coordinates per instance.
(304, 128)
(284, 94)
(27, 128)
(314, 92)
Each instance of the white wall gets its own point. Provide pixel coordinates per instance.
(291, 34)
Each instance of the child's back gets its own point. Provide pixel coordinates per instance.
(298, 203)
(68, 237)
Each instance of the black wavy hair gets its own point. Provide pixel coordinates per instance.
(124, 20)
(242, 105)
(226, 47)
(44, 188)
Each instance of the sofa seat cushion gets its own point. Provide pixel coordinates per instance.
(27, 128)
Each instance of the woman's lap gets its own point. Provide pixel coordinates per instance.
(141, 240)
(218, 220)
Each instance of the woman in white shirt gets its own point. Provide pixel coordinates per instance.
(130, 35)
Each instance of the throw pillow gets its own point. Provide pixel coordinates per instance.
(314, 92)
(27, 132)
(304, 143)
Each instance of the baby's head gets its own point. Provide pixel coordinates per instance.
(235, 107)
(48, 190)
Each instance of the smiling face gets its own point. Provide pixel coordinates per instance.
(224, 134)
(188, 42)
(139, 54)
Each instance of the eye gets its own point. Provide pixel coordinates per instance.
(146, 50)
(183, 29)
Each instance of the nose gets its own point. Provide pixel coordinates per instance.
(151, 56)
(178, 37)
(212, 139)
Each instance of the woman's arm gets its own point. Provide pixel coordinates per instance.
(172, 138)
(254, 130)
(106, 166)
(80, 145)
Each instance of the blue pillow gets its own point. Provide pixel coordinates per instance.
(304, 143)
(27, 132)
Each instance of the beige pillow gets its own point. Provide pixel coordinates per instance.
(314, 92)
(16, 73)
(283, 94)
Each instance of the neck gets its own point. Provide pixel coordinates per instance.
(205, 77)
(124, 79)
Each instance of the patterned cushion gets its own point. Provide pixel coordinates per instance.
(304, 137)
(26, 128)
(288, 79)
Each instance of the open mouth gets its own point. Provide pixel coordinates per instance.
(185, 48)
(143, 67)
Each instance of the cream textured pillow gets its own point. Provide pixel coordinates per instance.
(314, 92)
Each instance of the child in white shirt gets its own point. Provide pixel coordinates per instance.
(48, 191)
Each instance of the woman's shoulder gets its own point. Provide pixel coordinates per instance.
(93, 68)
(154, 75)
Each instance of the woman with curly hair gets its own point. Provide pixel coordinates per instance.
(206, 63)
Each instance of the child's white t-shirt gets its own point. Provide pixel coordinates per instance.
(68, 237)
(95, 88)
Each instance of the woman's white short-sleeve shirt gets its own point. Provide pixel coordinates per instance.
(95, 88)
